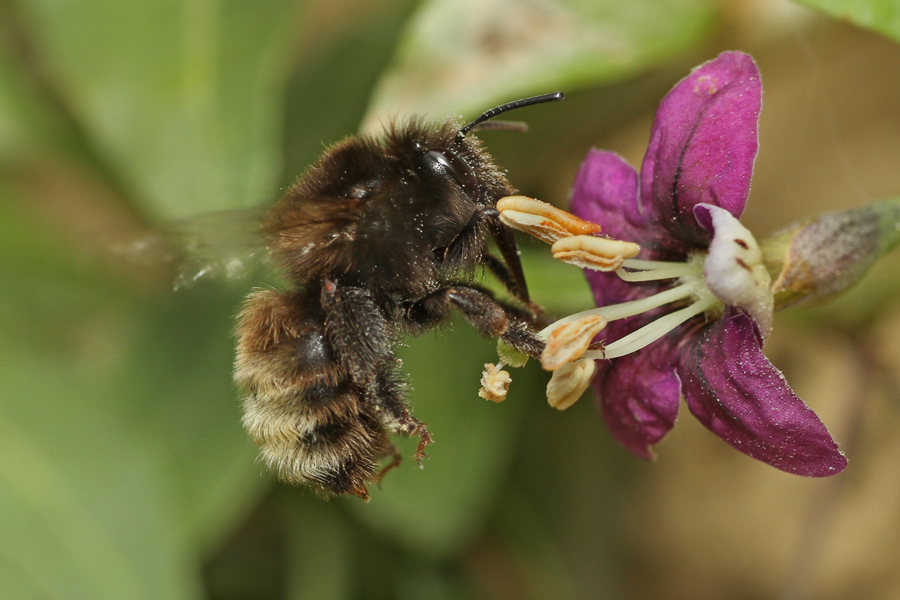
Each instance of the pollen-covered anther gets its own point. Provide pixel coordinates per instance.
(494, 383)
(568, 383)
(596, 253)
(570, 341)
(541, 220)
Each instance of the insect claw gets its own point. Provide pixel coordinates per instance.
(396, 460)
(361, 492)
(424, 440)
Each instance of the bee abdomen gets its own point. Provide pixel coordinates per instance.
(303, 412)
(337, 446)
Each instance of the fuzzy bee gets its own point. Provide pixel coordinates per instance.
(380, 238)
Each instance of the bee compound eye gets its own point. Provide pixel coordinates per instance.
(458, 169)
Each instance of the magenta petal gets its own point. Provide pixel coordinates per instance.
(703, 144)
(639, 396)
(733, 389)
(606, 192)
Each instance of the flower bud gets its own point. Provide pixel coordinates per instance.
(821, 257)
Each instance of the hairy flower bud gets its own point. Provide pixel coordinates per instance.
(817, 258)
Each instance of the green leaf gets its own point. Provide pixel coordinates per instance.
(319, 552)
(882, 16)
(182, 99)
(82, 507)
(465, 56)
(15, 585)
(26, 120)
(122, 459)
(538, 560)
(184, 399)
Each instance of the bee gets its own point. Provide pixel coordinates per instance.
(380, 238)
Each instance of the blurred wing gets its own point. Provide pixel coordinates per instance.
(223, 245)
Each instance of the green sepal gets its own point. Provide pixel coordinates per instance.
(510, 355)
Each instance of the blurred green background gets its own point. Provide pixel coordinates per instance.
(124, 470)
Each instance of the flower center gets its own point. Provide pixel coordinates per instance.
(730, 273)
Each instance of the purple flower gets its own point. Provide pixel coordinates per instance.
(690, 317)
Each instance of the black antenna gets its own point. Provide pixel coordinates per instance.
(512, 106)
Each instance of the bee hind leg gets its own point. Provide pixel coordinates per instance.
(407, 425)
(360, 492)
(396, 461)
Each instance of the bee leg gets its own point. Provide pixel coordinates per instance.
(396, 461)
(533, 313)
(400, 422)
(509, 270)
(480, 308)
(393, 413)
(357, 331)
(424, 440)
(397, 419)
(360, 492)
(361, 338)
(505, 239)
(522, 338)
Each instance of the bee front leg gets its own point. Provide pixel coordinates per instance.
(479, 307)
(533, 312)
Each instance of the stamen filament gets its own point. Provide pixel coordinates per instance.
(651, 332)
(650, 270)
(626, 309)
(639, 264)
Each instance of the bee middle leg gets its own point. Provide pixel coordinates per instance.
(394, 413)
(360, 337)
(479, 307)
(357, 331)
